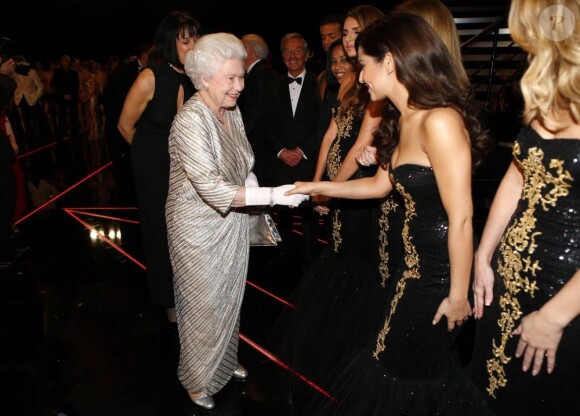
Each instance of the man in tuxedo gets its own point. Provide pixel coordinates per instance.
(252, 101)
(291, 136)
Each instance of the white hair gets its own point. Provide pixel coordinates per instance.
(209, 54)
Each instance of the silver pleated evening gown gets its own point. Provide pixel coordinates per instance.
(208, 241)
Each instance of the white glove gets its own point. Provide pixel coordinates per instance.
(273, 196)
(290, 200)
(251, 181)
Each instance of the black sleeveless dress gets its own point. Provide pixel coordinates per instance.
(150, 159)
(409, 368)
(538, 254)
(341, 295)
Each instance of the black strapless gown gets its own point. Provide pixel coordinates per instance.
(538, 254)
(342, 294)
(410, 369)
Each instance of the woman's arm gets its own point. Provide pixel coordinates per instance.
(504, 204)
(365, 188)
(371, 121)
(541, 331)
(447, 146)
(139, 95)
(329, 136)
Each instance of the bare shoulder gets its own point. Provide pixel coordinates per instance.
(145, 83)
(442, 118)
(444, 124)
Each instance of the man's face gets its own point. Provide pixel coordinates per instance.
(294, 55)
(329, 32)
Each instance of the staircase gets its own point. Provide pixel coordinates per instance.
(491, 59)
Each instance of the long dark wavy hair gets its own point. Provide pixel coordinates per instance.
(425, 67)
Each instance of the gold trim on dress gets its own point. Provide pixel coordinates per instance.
(412, 268)
(516, 264)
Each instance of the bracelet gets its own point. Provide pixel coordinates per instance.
(271, 197)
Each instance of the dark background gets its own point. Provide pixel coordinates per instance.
(95, 29)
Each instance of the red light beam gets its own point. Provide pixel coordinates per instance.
(54, 198)
(285, 366)
(105, 239)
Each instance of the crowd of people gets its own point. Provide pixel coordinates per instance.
(384, 142)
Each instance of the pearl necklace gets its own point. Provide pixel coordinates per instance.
(223, 122)
(176, 69)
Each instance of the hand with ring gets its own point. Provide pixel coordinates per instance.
(539, 340)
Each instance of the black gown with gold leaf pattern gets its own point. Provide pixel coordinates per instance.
(538, 254)
(409, 368)
(342, 294)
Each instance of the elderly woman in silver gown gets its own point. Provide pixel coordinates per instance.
(210, 178)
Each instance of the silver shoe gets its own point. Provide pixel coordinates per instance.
(240, 373)
(205, 401)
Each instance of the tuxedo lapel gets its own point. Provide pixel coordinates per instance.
(285, 97)
(301, 105)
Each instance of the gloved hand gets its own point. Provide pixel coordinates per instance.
(251, 181)
(273, 196)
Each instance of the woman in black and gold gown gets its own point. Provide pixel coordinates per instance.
(341, 293)
(428, 142)
(527, 268)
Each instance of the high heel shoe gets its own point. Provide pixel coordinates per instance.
(240, 373)
(205, 401)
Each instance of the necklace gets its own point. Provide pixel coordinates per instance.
(181, 71)
(211, 109)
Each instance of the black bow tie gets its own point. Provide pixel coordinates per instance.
(298, 80)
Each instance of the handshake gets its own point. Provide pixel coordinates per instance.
(270, 196)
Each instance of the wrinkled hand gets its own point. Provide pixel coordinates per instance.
(456, 312)
(291, 157)
(282, 197)
(251, 181)
(368, 156)
(482, 287)
(539, 338)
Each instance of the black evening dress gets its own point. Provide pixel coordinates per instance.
(150, 159)
(537, 255)
(410, 369)
(342, 294)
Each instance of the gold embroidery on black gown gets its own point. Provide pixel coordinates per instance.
(546, 181)
(537, 255)
(410, 368)
(388, 209)
(340, 295)
(411, 261)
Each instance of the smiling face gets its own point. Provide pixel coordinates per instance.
(294, 54)
(350, 31)
(340, 64)
(184, 44)
(225, 86)
(374, 75)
